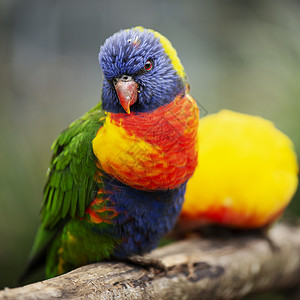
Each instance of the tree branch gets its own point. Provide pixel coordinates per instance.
(214, 268)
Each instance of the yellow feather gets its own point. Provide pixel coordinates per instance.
(120, 153)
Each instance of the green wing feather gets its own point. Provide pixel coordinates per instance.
(70, 186)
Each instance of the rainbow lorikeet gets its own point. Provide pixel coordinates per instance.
(118, 174)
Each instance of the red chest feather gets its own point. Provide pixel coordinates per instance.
(151, 151)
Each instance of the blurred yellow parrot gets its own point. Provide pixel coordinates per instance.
(246, 174)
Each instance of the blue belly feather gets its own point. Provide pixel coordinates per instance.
(143, 216)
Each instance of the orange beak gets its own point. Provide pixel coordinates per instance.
(127, 91)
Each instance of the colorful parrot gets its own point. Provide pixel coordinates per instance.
(118, 175)
(246, 174)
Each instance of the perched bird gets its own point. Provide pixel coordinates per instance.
(118, 175)
(247, 173)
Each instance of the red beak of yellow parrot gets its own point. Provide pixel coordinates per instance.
(127, 91)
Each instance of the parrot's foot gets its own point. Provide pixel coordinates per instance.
(149, 263)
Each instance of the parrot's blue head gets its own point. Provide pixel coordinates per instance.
(141, 71)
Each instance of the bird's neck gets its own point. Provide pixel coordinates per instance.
(150, 151)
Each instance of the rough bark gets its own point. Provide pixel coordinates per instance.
(197, 268)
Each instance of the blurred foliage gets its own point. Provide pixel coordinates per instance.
(240, 55)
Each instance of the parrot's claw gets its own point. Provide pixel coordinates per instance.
(149, 263)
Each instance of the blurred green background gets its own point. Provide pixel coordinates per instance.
(239, 55)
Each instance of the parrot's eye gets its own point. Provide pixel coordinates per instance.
(148, 65)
